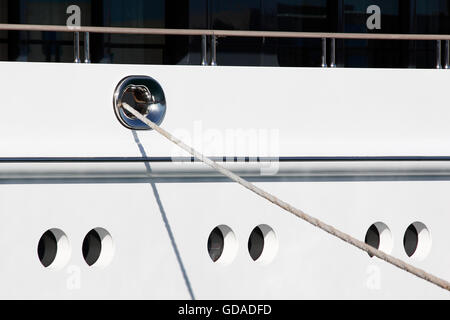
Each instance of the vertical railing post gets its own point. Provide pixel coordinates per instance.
(438, 54)
(333, 53)
(213, 50)
(204, 60)
(447, 54)
(324, 53)
(76, 47)
(87, 53)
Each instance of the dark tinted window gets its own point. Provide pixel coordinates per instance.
(397, 16)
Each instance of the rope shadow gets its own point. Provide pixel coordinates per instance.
(165, 220)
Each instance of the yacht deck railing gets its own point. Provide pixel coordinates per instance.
(214, 34)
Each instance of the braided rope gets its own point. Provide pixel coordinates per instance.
(297, 212)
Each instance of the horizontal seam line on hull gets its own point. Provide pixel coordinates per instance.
(225, 159)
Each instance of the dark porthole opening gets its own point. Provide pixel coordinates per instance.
(373, 237)
(379, 236)
(92, 247)
(53, 249)
(411, 240)
(47, 248)
(417, 241)
(216, 244)
(256, 243)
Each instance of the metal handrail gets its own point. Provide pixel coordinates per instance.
(224, 33)
(242, 33)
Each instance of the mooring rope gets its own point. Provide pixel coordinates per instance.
(297, 212)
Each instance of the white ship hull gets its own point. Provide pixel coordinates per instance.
(67, 163)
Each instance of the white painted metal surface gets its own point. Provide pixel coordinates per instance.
(160, 230)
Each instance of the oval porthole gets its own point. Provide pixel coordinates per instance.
(53, 249)
(379, 236)
(98, 248)
(262, 244)
(417, 240)
(215, 244)
(222, 245)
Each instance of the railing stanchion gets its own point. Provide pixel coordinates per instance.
(87, 53)
(438, 54)
(204, 60)
(324, 53)
(213, 50)
(76, 47)
(333, 53)
(447, 54)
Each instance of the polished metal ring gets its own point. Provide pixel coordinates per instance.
(145, 95)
